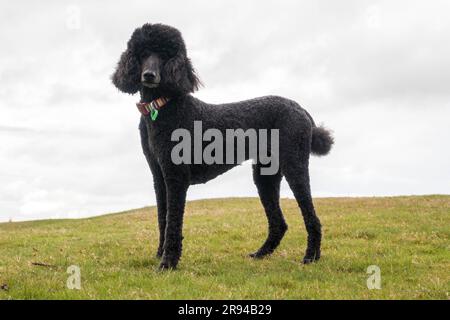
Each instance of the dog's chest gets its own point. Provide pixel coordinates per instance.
(159, 137)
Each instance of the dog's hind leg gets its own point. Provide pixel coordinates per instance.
(297, 175)
(269, 193)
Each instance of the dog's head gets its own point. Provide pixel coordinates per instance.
(156, 59)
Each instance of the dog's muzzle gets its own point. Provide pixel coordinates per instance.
(150, 79)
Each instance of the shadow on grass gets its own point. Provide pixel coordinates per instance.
(145, 263)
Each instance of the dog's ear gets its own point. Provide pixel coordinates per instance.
(127, 75)
(179, 75)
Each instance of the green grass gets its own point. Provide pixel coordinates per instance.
(407, 237)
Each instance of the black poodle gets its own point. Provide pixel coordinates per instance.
(155, 63)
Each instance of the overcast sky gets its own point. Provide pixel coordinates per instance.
(376, 72)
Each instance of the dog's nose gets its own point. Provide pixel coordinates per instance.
(149, 76)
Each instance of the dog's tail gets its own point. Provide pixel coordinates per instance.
(322, 140)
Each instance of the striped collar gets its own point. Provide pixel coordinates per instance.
(152, 107)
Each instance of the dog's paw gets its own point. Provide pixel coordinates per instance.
(260, 254)
(256, 255)
(165, 266)
(310, 259)
(168, 263)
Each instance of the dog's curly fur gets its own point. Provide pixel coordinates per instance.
(298, 137)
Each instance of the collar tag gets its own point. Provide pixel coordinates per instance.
(154, 114)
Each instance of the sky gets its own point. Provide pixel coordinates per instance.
(375, 72)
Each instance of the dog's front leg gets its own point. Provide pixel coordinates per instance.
(161, 201)
(159, 184)
(176, 187)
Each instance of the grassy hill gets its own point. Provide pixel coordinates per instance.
(407, 237)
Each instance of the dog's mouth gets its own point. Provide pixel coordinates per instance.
(150, 84)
